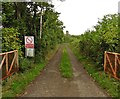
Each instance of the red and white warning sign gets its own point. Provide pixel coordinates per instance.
(29, 41)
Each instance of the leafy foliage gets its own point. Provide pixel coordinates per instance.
(10, 40)
(104, 37)
(52, 31)
(24, 17)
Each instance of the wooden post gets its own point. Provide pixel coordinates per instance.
(7, 63)
(17, 60)
(2, 61)
(12, 64)
(115, 65)
(105, 61)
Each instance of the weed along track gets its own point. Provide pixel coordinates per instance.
(50, 83)
(65, 65)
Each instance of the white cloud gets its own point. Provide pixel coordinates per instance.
(79, 15)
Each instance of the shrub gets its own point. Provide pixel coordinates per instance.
(25, 64)
(10, 40)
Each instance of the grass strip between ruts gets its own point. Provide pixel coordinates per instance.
(65, 65)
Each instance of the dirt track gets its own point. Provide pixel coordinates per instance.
(50, 83)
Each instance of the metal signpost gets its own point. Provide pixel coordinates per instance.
(29, 46)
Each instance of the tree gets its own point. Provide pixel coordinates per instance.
(24, 17)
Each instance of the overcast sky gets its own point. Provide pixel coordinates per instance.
(80, 15)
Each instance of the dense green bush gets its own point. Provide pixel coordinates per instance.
(26, 19)
(10, 40)
(104, 37)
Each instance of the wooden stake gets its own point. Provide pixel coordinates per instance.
(105, 61)
(2, 61)
(7, 63)
(115, 65)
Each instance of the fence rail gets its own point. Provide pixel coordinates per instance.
(112, 64)
(9, 63)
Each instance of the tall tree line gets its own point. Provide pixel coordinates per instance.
(24, 18)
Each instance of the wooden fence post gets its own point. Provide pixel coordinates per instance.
(17, 59)
(7, 63)
(115, 65)
(105, 61)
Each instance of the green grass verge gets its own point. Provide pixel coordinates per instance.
(18, 82)
(65, 65)
(111, 85)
